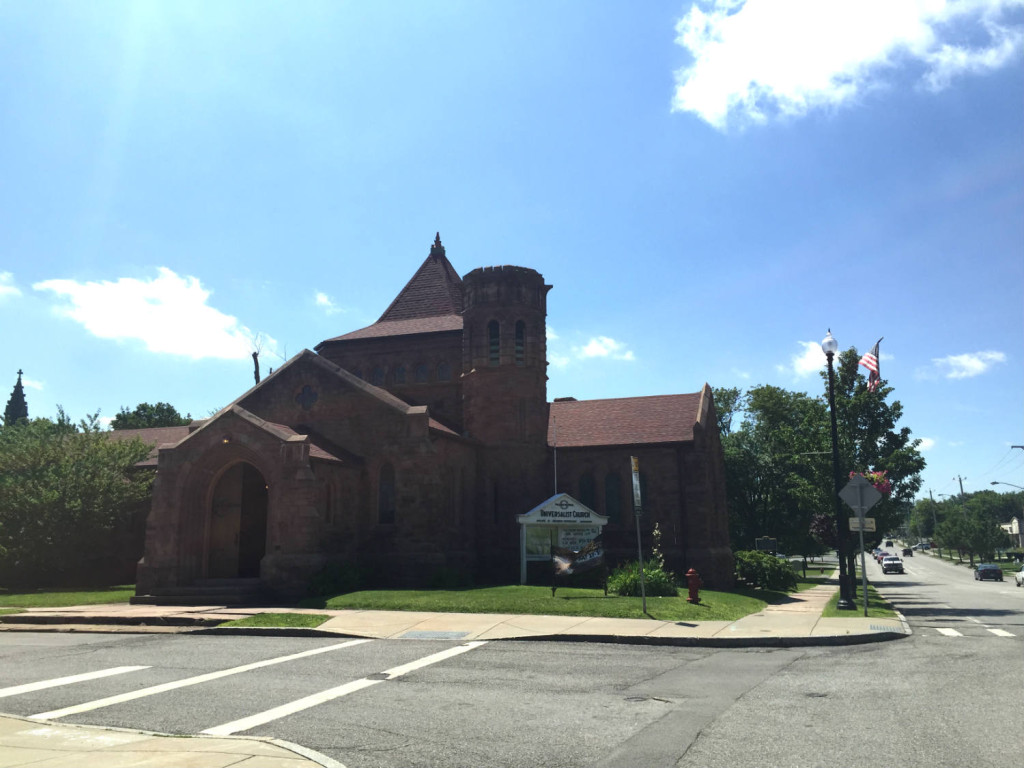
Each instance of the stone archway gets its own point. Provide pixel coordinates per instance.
(237, 532)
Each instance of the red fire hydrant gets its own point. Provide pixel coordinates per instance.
(693, 581)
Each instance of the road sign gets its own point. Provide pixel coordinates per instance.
(862, 524)
(860, 495)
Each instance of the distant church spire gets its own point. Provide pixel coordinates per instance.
(437, 250)
(17, 407)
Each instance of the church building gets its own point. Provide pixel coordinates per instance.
(408, 448)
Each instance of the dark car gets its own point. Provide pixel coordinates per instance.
(988, 571)
(908, 552)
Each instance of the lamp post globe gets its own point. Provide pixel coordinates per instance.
(829, 346)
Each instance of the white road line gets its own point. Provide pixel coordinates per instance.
(976, 621)
(152, 691)
(1000, 632)
(58, 681)
(948, 632)
(245, 723)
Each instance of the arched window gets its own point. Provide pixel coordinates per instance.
(377, 376)
(587, 492)
(400, 375)
(520, 343)
(444, 372)
(493, 343)
(613, 497)
(420, 374)
(386, 495)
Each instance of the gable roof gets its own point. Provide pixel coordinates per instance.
(430, 302)
(624, 421)
(153, 437)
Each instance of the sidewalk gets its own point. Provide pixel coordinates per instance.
(797, 622)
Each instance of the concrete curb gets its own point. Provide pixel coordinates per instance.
(303, 752)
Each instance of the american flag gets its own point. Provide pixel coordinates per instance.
(870, 361)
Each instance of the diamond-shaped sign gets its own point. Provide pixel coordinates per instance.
(860, 495)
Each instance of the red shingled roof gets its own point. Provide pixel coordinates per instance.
(152, 436)
(623, 421)
(430, 302)
(405, 327)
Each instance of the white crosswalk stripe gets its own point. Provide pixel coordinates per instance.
(948, 632)
(245, 723)
(56, 682)
(111, 700)
(1000, 632)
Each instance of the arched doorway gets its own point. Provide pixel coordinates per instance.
(238, 524)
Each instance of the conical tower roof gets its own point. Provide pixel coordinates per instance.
(17, 406)
(435, 289)
(430, 302)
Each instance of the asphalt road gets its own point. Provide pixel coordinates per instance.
(933, 699)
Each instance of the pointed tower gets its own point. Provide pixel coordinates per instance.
(414, 350)
(17, 406)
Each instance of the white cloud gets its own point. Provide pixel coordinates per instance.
(7, 286)
(758, 59)
(32, 384)
(169, 314)
(809, 361)
(603, 346)
(968, 365)
(325, 301)
(926, 444)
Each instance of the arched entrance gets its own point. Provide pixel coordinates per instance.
(238, 524)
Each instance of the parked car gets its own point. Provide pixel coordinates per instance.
(1018, 577)
(892, 564)
(908, 552)
(888, 543)
(988, 571)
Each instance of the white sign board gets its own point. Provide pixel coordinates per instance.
(561, 521)
(866, 524)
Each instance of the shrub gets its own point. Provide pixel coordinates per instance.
(765, 570)
(625, 580)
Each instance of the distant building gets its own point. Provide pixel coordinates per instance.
(409, 448)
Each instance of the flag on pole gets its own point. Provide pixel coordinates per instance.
(870, 361)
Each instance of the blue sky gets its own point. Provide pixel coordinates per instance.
(708, 186)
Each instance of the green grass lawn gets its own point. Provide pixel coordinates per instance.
(878, 608)
(58, 599)
(305, 620)
(714, 606)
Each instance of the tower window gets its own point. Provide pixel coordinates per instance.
(400, 375)
(520, 343)
(493, 343)
(420, 374)
(377, 376)
(444, 372)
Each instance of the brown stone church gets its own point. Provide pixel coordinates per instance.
(408, 449)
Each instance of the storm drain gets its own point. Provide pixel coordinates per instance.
(430, 634)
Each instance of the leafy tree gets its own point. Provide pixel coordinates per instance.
(727, 404)
(69, 497)
(144, 416)
(776, 476)
(870, 440)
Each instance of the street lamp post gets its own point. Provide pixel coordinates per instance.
(829, 346)
(1000, 482)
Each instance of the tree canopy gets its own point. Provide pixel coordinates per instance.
(71, 502)
(778, 459)
(144, 416)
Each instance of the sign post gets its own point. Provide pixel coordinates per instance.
(637, 512)
(861, 496)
